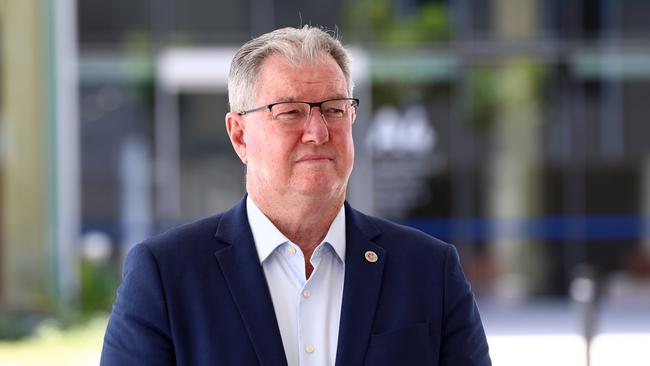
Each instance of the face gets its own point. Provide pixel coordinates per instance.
(315, 161)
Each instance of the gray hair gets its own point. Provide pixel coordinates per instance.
(296, 44)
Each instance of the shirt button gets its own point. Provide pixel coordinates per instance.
(309, 348)
(306, 293)
(291, 250)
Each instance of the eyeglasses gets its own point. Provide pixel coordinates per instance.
(335, 112)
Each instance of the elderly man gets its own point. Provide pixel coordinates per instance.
(292, 274)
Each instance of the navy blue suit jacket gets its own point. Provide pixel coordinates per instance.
(197, 295)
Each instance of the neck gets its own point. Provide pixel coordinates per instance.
(303, 220)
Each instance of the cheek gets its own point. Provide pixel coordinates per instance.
(267, 152)
(346, 149)
(256, 151)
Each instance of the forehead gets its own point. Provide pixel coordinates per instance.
(282, 79)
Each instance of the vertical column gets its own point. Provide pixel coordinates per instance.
(63, 119)
(515, 161)
(645, 196)
(167, 160)
(360, 187)
(23, 189)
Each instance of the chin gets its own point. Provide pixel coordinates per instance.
(315, 191)
(320, 188)
(317, 186)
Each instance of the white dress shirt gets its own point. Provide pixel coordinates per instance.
(308, 310)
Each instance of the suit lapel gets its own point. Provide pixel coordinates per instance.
(243, 273)
(361, 289)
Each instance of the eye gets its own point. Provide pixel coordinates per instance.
(289, 115)
(288, 111)
(335, 109)
(335, 112)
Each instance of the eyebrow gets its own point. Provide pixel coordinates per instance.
(287, 99)
(293, 99)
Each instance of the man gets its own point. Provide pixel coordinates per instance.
(292, 274)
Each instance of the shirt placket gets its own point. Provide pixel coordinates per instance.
(311, 347)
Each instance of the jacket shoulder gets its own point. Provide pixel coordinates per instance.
(184, 242)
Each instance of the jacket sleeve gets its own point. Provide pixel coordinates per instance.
(463, 338)
(138, 331)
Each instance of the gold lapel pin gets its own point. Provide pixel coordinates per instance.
(371, 256)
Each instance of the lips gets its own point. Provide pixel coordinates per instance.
(314, 158)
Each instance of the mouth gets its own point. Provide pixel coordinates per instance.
(314, 159)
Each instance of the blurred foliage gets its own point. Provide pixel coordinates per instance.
(98, 285)
(53, 344)
(483, 98)
(15, 325)
(377, 21)
(518, 82)
(402, 95)
(138, 41)
(522, 81)
(99, 282)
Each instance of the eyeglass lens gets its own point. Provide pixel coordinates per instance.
(335, 112)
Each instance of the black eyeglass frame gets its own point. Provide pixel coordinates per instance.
(355, 105)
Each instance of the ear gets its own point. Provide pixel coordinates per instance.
(236, 127)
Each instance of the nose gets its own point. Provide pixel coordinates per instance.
(315, 131)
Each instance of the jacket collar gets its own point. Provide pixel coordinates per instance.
(361, 289)
(245, 278)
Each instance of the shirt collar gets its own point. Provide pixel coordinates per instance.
(267, 237)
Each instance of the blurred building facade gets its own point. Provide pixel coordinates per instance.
(514, 129)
